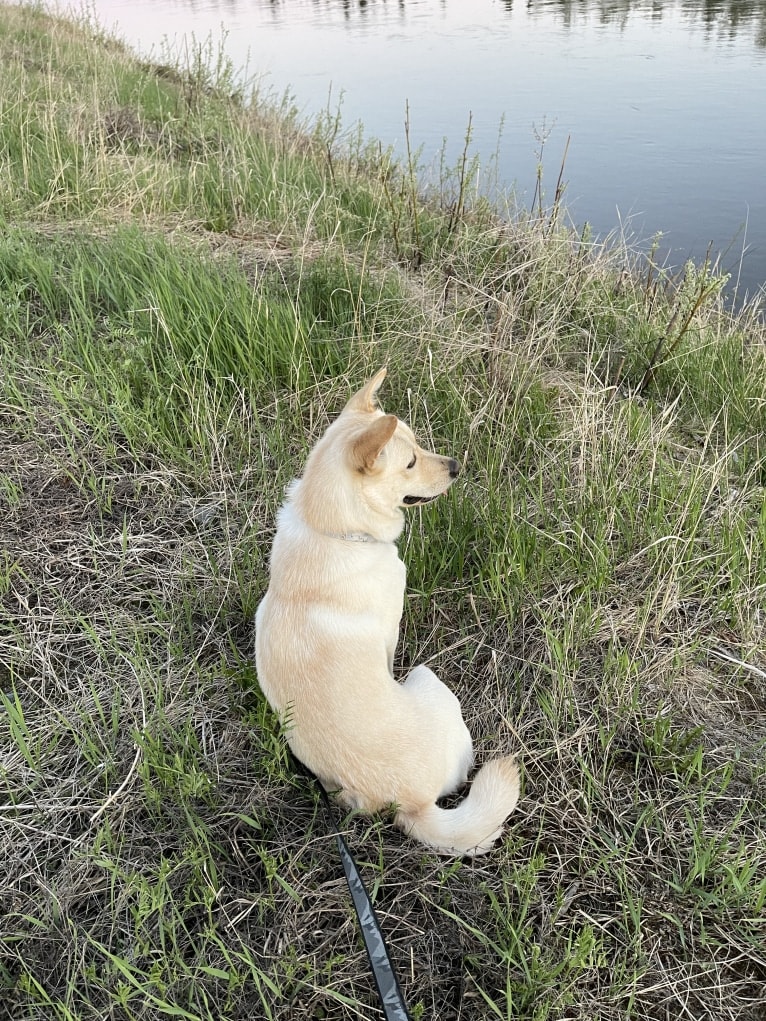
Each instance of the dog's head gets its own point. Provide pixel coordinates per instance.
(366, 469)
(383, 450)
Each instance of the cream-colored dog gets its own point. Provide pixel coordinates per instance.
(327, 629)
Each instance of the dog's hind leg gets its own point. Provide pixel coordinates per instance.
(445, 725)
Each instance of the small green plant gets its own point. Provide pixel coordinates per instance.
(697, 287)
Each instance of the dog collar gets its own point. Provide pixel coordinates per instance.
(352, 536)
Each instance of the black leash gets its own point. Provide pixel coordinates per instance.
(383, 972)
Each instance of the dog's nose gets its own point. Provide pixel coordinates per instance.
(454, 468)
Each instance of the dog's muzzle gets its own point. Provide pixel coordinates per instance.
(453, 467)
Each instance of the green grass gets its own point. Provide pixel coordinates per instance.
(191, 281)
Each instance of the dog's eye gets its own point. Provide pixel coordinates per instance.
(413, 461)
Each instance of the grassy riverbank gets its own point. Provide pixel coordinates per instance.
(189, 287)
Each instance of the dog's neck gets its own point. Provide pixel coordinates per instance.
(331, 509)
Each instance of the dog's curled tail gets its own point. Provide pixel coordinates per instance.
(475, 824)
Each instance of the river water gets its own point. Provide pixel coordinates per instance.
(663, 104)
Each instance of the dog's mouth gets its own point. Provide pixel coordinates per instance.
(413, 501)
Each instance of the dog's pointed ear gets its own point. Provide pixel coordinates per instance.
(367, 447)
(364, 399)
